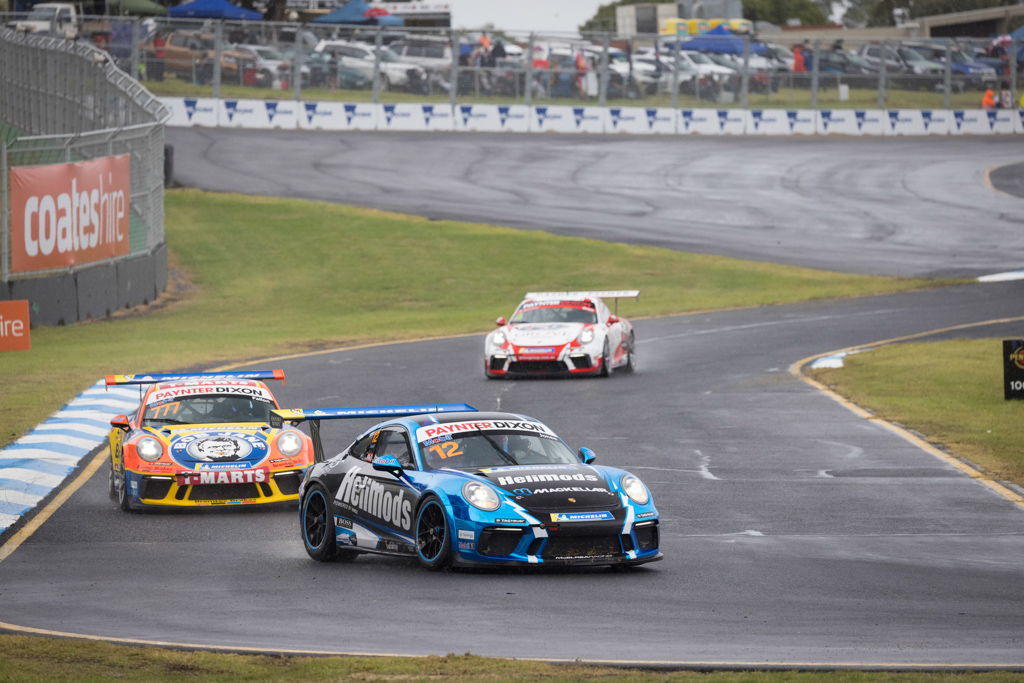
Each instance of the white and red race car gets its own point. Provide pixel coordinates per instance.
(562, 333)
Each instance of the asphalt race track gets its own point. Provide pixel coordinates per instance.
(794, 532)
(892, 206)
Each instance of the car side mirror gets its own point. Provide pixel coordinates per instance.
(120, 422)
(612, 319)
(587, 456)
(389, 464)
(501, 322)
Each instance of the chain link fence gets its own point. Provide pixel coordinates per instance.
(66, 101)
(318, 62)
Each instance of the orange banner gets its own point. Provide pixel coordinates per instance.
(64, 215)
(14, 326)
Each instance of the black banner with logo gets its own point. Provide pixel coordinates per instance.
(1013, 368)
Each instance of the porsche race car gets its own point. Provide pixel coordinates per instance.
(452, 486)
(562, 333)
(203, 439)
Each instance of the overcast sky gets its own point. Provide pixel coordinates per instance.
(524, 15)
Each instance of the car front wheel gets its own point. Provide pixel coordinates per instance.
(433, 535)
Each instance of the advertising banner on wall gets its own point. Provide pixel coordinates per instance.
(781, 122)
(917, 122)
(982, 122)
(1013, 369)
(851, 122)
(492, 118)
(191, 111)
(416, 117)
(339, 116)
(641, 120)
(64, 215)
(563, 119)
(15, 334)
(713, 121)
(258, 113)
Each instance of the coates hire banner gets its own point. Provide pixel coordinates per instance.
(66, 215)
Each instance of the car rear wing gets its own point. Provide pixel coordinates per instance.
(117, 380)
(314, 415)
(615, 294)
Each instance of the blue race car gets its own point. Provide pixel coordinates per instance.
(452, 486)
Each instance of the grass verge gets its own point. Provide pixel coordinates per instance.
(274, 276)
(30, 658)
(949, 391)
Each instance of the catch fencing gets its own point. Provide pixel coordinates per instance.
(328, 62)
(66, 102)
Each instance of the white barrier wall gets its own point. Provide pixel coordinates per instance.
(519, 118)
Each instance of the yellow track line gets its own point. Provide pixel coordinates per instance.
(797, 370)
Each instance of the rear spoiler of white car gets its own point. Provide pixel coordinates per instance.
(314, 415)
(615, 294)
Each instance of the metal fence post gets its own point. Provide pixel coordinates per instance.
(947, 80)
(297, 70)
(453, 88)
(815, 70)
(377, 42)
(1014, 104)
(133, 59)
(528, 84)
(218, 38)
(5, 212)
(745, 76)
(883, 71)
(602, 90)
(675, 71)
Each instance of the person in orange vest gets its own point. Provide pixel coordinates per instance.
(988, 100)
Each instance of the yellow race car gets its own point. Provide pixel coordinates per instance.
(203, 439)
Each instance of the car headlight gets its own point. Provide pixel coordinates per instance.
(635, 489)
(149, 449)
(587, 335)
(289, 444)
(499, 338)
(481, 496)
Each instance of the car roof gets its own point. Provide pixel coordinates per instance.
(412, 423)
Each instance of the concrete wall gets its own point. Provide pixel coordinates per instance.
(91, 293)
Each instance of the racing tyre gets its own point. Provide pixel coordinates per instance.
(120, 486)
(318, 525)
(606, 361)
(630, 365)
(433, 535)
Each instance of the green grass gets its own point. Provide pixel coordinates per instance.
(28, 658)
(785, 98)
(949, 391)
(277, 276)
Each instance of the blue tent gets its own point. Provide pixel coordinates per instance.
(719, 39)
(357, 12)
(213, 9)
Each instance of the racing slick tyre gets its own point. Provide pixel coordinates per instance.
(606, 361)
(318, 534)
(119, 488)
(630, 365)
(433, 535)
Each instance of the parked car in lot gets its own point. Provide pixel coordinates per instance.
(272, 64)
(847, 67)
(433, 53)
(909, 67)
(967, 72)
(394, 73)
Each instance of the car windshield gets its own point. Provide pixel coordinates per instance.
(911, 55)
(208, 408)
(268, 53)
(698, 58)
(386, 55)
(493, 448)
(42, 14)
(554, 314)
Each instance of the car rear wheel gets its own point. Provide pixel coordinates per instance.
(318, 535)
(606, 361)
(433, 536)
(631, 354)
